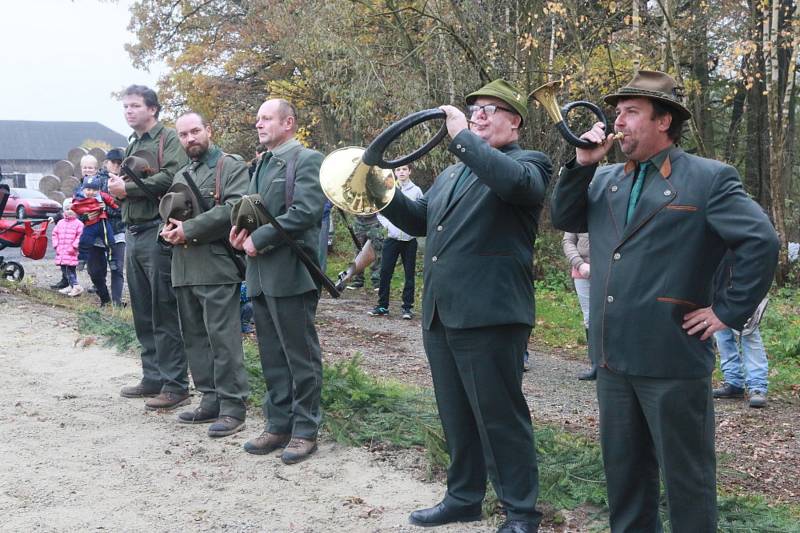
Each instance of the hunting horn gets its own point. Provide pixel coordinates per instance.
(358, 180)
(546, 95)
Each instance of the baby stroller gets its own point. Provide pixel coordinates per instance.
(30, 235)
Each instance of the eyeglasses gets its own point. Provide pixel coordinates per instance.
(489, 109)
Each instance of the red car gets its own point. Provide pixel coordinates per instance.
(28, 203)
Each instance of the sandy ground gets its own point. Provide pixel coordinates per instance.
(77, 457)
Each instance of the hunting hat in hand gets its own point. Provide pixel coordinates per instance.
(179, 203)
(142, 163)
(506, 92)
(655, 85)
(248, 213)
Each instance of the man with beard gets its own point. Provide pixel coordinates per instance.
(155, 311)
(205, 276)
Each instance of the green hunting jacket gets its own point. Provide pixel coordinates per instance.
(478, 266)
(277, 271)
(203, 260)
(137, 207)
(648, 274)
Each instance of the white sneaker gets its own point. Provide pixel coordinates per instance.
(76, 291)
(65, 290)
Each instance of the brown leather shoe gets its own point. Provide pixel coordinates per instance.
(267, 442)
(224, 426)
(167, 401)
(198, 416)
(140, 390)
(298, 449)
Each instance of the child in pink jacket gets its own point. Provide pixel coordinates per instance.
(66, 236)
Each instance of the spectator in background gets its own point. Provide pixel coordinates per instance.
(113, 164)
(750, 367)
(576, 248)
(367, 228)
(398, 243)
(93, 206)
(66, 236)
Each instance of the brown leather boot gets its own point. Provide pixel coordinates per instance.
(167, 401)
(266, 442)
(298, 449)
(140, 390)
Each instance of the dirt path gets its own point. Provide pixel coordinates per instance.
(114, 466)
(77, 457)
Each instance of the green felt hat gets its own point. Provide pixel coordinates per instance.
(506, 92)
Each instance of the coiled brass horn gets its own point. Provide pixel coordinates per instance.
(352, 185)
(546, 95)
(357, 180)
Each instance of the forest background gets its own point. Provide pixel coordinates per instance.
(354, 66)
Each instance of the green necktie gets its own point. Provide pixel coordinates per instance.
(636, 190)
(265, 157)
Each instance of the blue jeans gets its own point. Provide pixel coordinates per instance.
(753, 356)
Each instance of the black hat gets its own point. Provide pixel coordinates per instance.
(115, 154)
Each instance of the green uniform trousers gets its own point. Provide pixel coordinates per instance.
(477, 379)
(291, 361)
(213, 340)
(155, 311)
(650, 422)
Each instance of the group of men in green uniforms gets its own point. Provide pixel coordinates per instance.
(659, 225)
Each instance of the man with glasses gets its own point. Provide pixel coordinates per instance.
(480, 218)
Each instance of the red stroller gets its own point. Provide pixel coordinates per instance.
(30, 235)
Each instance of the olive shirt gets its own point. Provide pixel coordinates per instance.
(647, 274)
(203, 260)
(137, 207)
(277, 271)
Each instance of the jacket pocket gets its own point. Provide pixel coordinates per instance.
(690, 208)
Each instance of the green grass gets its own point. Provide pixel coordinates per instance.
(780, 331)
(559, 323)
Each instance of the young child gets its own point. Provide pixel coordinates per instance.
(92, 205)
(66, 236)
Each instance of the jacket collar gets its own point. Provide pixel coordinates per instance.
(152, 133)
(211, 157)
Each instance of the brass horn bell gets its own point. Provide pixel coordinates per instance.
(354, 186)
(546, 95)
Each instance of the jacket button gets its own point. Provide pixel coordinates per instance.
(463, 149)
(610, 299)
(434, 259)
(458, 146)
(667, 193)
(617, 256)
(614, 188)
(439, 228)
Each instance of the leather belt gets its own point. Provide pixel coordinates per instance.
(138, 228)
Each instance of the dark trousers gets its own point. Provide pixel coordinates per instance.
(117, 272)
(650, 422)
(155, 311)
(407, 251)
(69, 275)
(97, 266)
(92, 233)
(291, 362)
(477, 379)
(213, 340)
